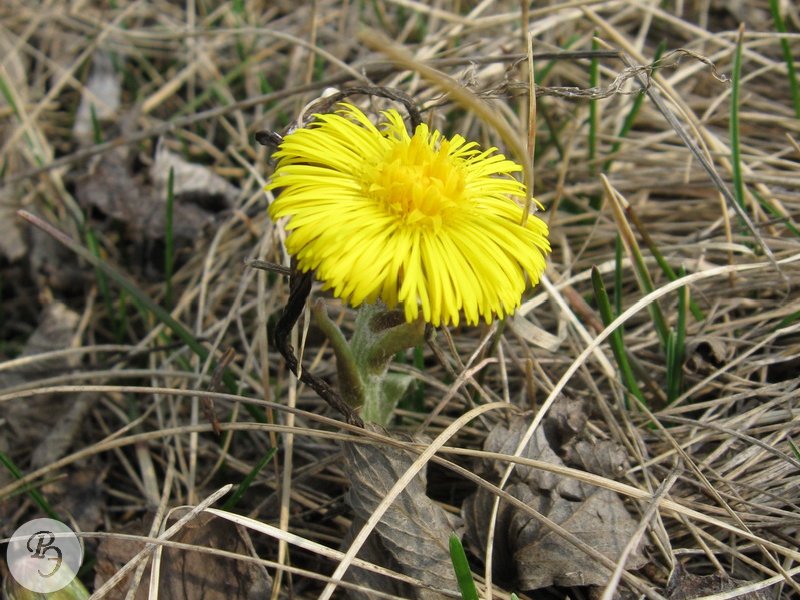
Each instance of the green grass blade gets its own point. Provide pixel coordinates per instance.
(786, 220)
(795, 451)
(140, 298)
(640, 268)
(169, 239)
(102, 280)
(662, 262)
(618, 275)
(788, 320)
(466, 584)
(245, 484)
(627, 125)
(33, 493)
(615, 339)
(97, 131)
(794, 85)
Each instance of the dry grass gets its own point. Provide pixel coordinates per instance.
(203, 77)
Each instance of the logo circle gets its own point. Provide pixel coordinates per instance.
(44, 555)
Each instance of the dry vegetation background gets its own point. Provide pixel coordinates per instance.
(108, 408)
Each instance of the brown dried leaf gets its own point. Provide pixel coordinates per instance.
(80, 494)
(601, 520)
(130, 198)
(111, 187)
(683, 585)
(191, 180)
(65, 429)
(602, 457)
(708, 350)
(477, 509)
(565, 419)
(414, 532)
(504, 440)
(113, 553)
(540, 557)
(186, 574)
(199, 575)
(372, 551)
(34, 418)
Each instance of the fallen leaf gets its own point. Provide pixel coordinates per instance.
(533, 334)
(708, 350)
(600, 519)
(60, 436)
(191, 180)
(80, 494)
(184, 573)
(413, 535)
(46, 426)
(526, 550)
(34, 418)
(603, 457)
(565, 419)
(682, 585)
(114, 552)
(372, 551)
(112, 187)
(53, 266)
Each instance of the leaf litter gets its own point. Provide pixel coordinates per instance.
(414, 532)
(527, 553)
(184, 573)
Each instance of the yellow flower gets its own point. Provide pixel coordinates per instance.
(418, 220)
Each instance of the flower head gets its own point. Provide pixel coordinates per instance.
(418, 220)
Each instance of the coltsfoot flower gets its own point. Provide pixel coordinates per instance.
(418, 220)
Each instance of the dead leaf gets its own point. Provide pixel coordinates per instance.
(80, 494)
(53, 266)
(191, 180)
(476, 511)
(504, 440)
(707, 350)
(32, 419)
(413, 535)
(186, 574)
(44, 427)
(372, 551)
(602, 457)
(114, 189)
(565, 419)
(683, 585)
(60, 437)
(114, 552)
(523, 547)
(601, 520)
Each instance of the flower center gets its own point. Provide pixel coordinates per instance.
(419, 184)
